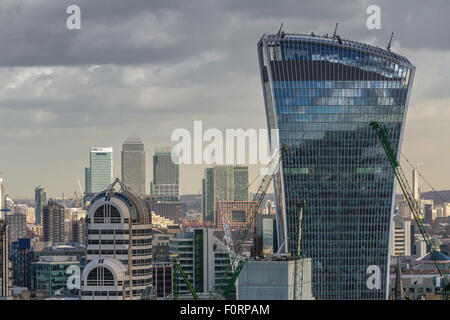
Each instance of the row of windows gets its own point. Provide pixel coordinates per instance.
(345, 101)
(137, 252)
(290, 92)
(104, 293)
(137, 232)
(295, 109)
(350, 84)
(342, 118)
(136, 242)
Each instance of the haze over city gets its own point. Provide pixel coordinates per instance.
(149, 67)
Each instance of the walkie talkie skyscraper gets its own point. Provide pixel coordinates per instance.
(321, 93)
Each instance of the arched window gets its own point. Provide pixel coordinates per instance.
(100, 276)
(107, 213)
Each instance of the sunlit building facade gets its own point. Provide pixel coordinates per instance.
(321, 93)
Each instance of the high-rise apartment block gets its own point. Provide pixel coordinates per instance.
(53, 222)
(133, 165)
(321, 93)
(40, 200)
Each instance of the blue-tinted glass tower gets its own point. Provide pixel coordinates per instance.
(321, 93)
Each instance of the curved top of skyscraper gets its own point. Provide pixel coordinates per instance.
(138, 207)
(342, 43)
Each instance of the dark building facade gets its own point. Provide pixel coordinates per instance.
(321, 94)
(5, 271)
(53, 222)
(21, 258)
(163, 279)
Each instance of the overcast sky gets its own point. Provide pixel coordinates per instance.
(149, 67)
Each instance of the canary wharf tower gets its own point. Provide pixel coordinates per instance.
(321, 93)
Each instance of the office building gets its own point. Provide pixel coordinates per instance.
(446, 208)
(169, 210)
(101, 169)
(2, 198)
(415, 183)
(203, 258)
(265, 239)
(208, 198)
(401, 237)
(133, 165)
(322, 93)
(40, 200)
(429, 214)
(166, 175)
(21, 258)
(87, 180)
(25, 210)
(163, 230)
(79, 232)
(119, 251)
(404, 210)
(163, 279)
(223, 183)
(50, 276)
(236, 214)
(5, 266)
(240, 183)
(53, 222)
(421, 247)
(17, 224)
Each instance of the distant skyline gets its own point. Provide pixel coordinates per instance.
(160, 65)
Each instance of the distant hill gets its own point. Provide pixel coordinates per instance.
(444, 194)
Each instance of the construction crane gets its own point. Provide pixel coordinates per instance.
(270, 170)
(412, 203)
(76, 198)
(228, 240)
(177, 268)
(298, 269)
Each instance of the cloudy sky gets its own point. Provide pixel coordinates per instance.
(149, 67)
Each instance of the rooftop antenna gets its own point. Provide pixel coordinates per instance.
(390, 41)
(335, 30)
(279, 31)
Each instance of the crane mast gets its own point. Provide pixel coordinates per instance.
(412, 203)
(298, 269)
(270, 170)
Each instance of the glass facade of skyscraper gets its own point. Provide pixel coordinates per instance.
(321, 93)
(166, 175)
(133, 165)
(101, 174)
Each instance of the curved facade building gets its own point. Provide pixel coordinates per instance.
(119, 251)
(321, 93)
